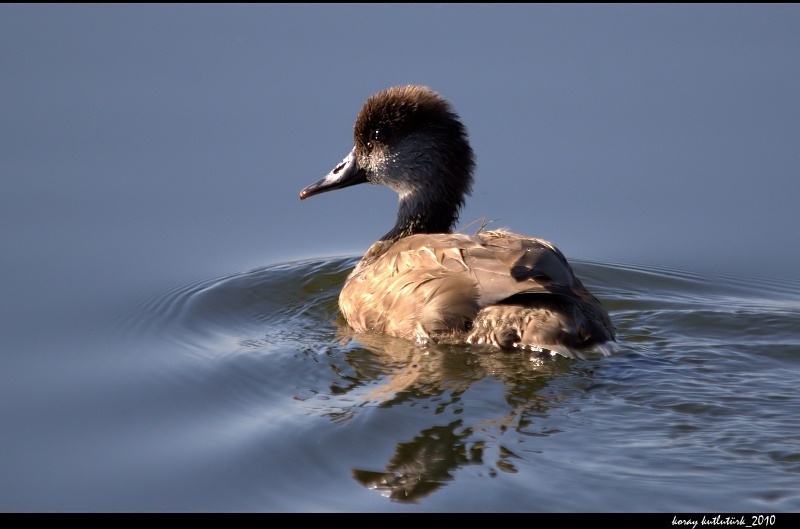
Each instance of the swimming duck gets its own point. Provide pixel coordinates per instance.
(423, 282)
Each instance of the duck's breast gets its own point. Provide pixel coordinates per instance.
(418, 288)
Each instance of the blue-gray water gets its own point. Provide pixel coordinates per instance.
(244, 392)
(151, 155)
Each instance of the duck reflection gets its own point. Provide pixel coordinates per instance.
(389, 371)
(409, 370)
(424, 464)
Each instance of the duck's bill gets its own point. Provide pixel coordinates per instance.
(346, 174)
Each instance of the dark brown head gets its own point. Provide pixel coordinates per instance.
(408, 139)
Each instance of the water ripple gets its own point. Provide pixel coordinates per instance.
(700, 397)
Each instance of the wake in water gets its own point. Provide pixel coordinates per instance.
(697, 353)
(295, 304)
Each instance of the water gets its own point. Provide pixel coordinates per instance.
(246, 392)
(151, 155)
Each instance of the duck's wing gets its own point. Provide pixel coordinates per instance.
(505, 264)
(529, 296)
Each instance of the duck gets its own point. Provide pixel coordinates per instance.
(426, 283)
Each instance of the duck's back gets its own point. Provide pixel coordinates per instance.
(494, 287)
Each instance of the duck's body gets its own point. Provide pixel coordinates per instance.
(422, 282)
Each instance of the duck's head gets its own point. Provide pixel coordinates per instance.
(409, 139)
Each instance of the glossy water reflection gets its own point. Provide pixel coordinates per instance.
(693, 399)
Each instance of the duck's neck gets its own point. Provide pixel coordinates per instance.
(432, 185)
(415, 215)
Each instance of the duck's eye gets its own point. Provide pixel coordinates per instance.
(378, 135)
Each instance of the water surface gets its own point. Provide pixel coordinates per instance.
(247, 392)
(169, 338)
